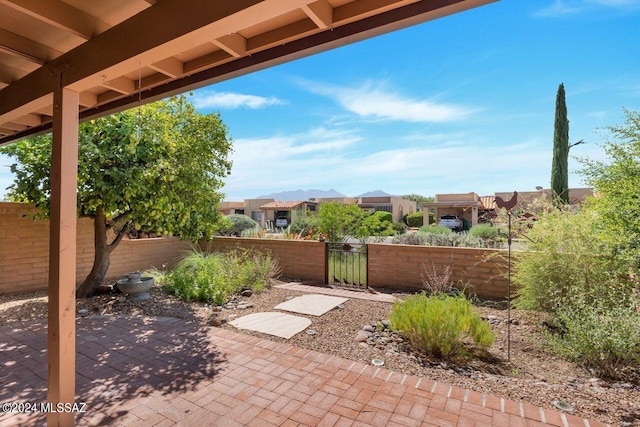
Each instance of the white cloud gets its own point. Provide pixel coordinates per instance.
(230, 100)
(435, 164)
(376, 102)
(571, 7)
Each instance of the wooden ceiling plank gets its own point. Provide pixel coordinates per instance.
(88, 99)
(60, 15)
(234, 44)
(16, 127)
(6, 132)
(170, 67)
(206, 61)
(30, 120)
(35, 52)
(121, 85)
(35, 105)
(9, 74)
(359, 8)
(320, 12)
(281, 35)
(167, 25)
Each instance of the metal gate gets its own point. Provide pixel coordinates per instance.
(347, 265)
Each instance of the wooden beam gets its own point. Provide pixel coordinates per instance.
(170, 67)
(60, 15)
(29, 120)
(320, 12)
(166, 26)
(88, 99)
(121, 85)
(61, 342)
(234, 44)
(17, 127)
(38, 53)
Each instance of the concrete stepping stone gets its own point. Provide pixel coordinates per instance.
(272, 323)
(313, 304)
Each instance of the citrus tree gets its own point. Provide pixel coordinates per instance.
(157, 168)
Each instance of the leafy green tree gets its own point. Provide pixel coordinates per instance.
(336, 221)
(617, 185)
(157, 168)
(560, 163)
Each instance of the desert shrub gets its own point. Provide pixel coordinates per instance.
(415, 219)
(212, 277)
(439, 324)
(566, 261)
(396, 228)
(435, 229)
(237, 224)
(438, 280)
(377, 223)
(303, 225)
(484, 231)
(605, 341)
(417, 239)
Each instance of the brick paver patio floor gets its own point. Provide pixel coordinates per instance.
(137, 371)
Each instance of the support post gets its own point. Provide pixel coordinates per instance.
(61, 341)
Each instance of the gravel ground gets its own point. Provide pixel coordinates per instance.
(532, 375)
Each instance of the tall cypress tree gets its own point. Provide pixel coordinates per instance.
(560, 165)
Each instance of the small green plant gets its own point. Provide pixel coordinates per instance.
(435, 229)
(439, 324)
(212, 277)
(236, 224)
(605, 341)
(484, 231)
(415, 219)
(409, 239)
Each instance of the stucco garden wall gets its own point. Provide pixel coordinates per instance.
(24, 250)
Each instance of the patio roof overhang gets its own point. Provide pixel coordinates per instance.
(65, 60)
(103, 52)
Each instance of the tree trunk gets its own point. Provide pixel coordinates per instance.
(101, 259)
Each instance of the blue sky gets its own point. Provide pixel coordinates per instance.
(464, 103)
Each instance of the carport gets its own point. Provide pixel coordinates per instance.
(65, 61)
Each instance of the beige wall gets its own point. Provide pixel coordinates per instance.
(24, 257)
(401, 266)
(253, 205)
(24, 250)
(299, 259)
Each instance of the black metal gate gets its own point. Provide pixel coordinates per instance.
(347, 265)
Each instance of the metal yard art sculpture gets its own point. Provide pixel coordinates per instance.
(508, 205)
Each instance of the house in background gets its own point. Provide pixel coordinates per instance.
(464, 206)
(252, 209)
(230, 208)
(396, 206)
(292, 210)
(475, 209)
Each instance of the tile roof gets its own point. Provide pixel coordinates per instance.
(488, 202)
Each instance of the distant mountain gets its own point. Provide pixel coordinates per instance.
(375, 193)
(301, 195)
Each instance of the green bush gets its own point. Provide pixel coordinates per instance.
(415, 219)
(603, 340)
(417, 239)
(396, 228)
(439, 324)
(212, 277)
(435, 229)
(302, 225)
(484, 231)
(237, 224)
(566, 261)
(376, 224)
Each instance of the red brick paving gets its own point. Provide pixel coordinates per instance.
(159, 371)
